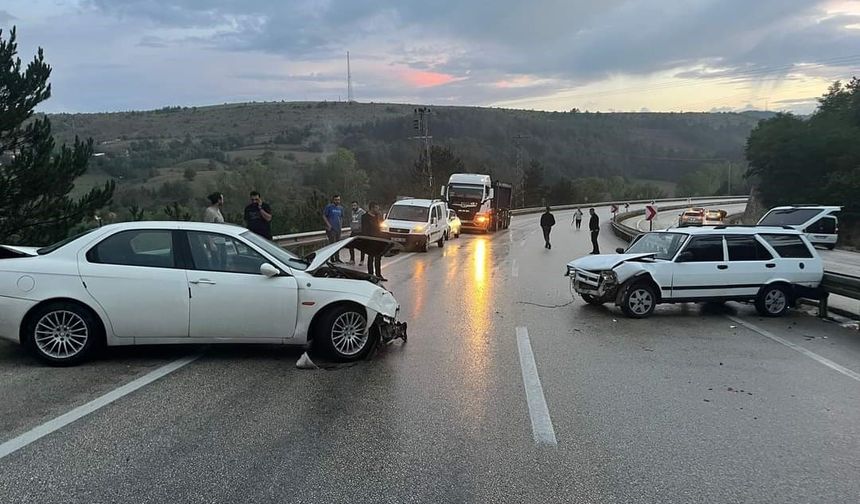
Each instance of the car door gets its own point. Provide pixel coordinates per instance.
(750, 265)
(823, 231)
(230, 298)
(700, 268)
(798, 263)
(137, 278)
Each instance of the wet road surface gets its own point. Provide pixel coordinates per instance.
(696, 404)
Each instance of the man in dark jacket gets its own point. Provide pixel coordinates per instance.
(370, 222)
(547, 221)
(594, 226)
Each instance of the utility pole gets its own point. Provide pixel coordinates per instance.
(349, 97)
(421, 124)
(518, 147)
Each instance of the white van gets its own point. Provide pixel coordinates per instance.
(416, 223)
(820, 223)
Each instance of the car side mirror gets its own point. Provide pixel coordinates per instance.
(619, 250)
(268, 270)
(491, 193)
(685, 256)
(432, 220)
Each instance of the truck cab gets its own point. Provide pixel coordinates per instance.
(480, 204)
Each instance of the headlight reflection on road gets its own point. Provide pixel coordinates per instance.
(418, 279)
(477, 297)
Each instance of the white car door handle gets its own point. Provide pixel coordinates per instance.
(202, 281)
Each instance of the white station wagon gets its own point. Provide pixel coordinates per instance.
(770, 266)
(142, 283)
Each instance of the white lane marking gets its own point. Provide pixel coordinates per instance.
(538, 411)
(515, 269)
(812, 355)
(61, 421)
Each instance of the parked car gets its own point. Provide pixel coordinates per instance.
(142, 283)
(820, 223)
(416, 223)
(692, 217)
(455, 227)
(769, 266)
(714, 217)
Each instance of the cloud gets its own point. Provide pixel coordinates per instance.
(458, 51)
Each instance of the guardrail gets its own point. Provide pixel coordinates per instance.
(833, 282)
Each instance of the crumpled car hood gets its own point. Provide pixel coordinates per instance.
(604, 262)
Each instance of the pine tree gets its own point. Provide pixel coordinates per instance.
(35, 176)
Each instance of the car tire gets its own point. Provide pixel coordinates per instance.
(343, 333)
(424, 245)
(62, 333)
(639, 300)
(773, 301)
(447, 236)
(830, 246)
(441, 242)
(592, 300)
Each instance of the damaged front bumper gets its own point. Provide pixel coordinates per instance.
(390, 329)
(600, 285)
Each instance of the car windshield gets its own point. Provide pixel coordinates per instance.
(466, 192)
(283, 255)
(410, 213)
(61, 243)
(788, 216)
(663, 245)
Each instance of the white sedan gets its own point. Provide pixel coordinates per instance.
(143, 283)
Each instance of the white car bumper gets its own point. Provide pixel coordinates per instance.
(12, 312)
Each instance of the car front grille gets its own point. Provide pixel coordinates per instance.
(399, 230)
(588, 278)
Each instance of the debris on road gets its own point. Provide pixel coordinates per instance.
(305, 362)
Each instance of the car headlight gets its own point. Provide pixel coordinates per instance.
(383, 226)
(608, 277)
(418, 229)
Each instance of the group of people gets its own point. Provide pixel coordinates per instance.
(258, 219)
(258, 214)
(362, 223)
(547, 221)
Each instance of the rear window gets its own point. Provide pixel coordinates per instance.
(790, 246)
(824, 225)
(789, 216)
(746, 248)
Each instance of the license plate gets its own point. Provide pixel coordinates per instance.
(402, 240)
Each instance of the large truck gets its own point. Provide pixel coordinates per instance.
(481, 203)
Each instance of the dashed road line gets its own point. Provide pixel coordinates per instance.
(61, 421)
(538, 410)
(809, 353)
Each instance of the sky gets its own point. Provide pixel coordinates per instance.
(607, 55)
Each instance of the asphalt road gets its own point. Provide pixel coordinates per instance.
(697, 404)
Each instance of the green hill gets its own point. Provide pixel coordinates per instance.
(281, 148)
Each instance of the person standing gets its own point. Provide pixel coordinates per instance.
(547, 221)
(627, 207)
(370, 222)
(258, 216)
(577, 218)
(333, 218)
(212, 213)
(594, 226)
(355, 230)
